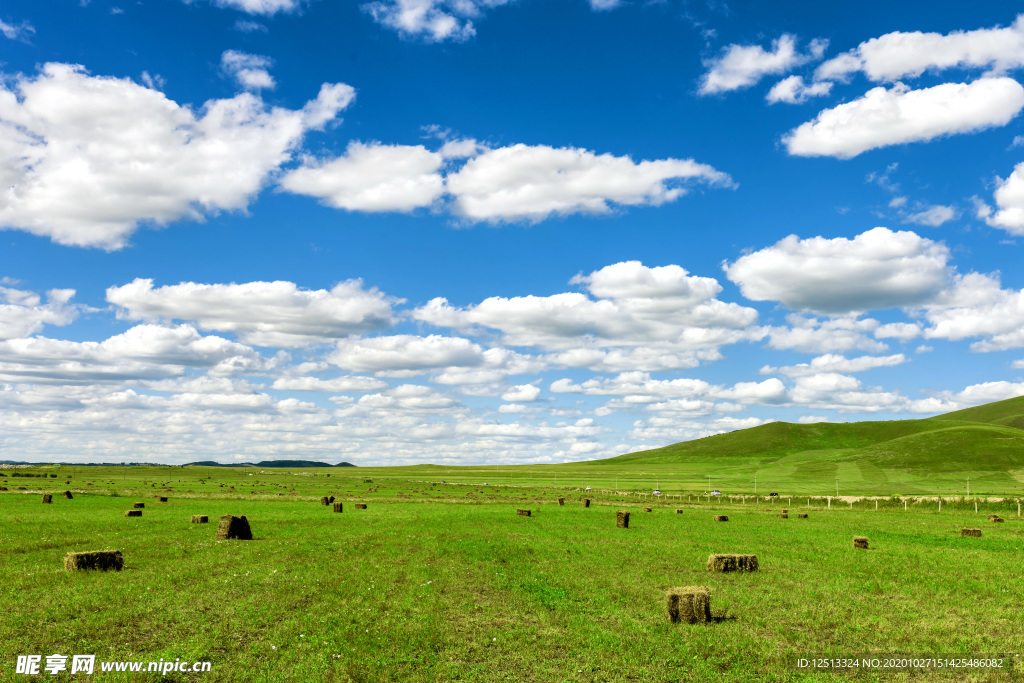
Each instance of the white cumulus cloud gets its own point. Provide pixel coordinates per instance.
(431, 20)
(910, 53)
(23, 312)
(740, 66)
(899, 115)
(249, 70)
(1009, 197)
(264, 7)
(263, 313)
(406, 354)
(793, 90)
(372, 177)
(523, 182)
(876, 269)
(86, 159)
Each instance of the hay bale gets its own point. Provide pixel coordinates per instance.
(785, 512)
(622, 519)
(802, 515)
(647, 509)
(133, 513)
(721, 518)
(360, 506)
(782, 515)
(976, 533)
(324, 500)
(234, 527)
(338, 507)
(732, 563)
(860, 542)
(67, 494)
(96, 559)
(138, 506)
(586, 502)
(561, 501)
(1000, 520)
(679, 511)
(523, 513)
(163, 499)
(691, 604)
(47, 498)
(200, 519)
(331, 499)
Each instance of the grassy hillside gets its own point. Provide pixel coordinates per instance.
(985, 444)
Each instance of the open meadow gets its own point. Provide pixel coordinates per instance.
(445, 582)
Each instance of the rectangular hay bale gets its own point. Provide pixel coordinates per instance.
(138, 506)
(523, 513)
(721, 518)
(324, 500)
(802, 515)
(782, 515)
(976, 533)
(234, 527)
(732, 563)
(689, 604)
(622, 519)
(67, 494)
(360, 506)
(200, 519)
(133, 513)
(561, 501)
(586, 502)
(47, 498)
(96, 559)
(860, 542)
(339, 507)
(679, 511)
(647, 509)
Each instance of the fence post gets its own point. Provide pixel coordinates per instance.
(940, 504)
(830, 502)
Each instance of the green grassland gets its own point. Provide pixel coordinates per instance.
(444, 582)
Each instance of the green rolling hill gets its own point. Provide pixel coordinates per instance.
(936, 454)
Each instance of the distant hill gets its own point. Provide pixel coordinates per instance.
(984, 443)
(271, 463)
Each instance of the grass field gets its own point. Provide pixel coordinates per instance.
(444, 582)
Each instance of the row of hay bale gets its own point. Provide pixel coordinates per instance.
(230, 527)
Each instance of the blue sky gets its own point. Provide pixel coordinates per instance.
(498, 231)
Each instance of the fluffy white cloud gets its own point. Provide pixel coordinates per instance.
(1009, 198)
(876, 269)
(793, 90)
(644, 307)
(431, 20)
(834, 363)
(143, 352)
(339, 385)
(22, 312)
(911, 53)
(523, 182)
(406, 354)
(740, 66)
(901, 331)
(600, 5)
(977, 306)
(264, 7)
(85, 158)
(249, 70)
(372, 177)
(899, 115)
(263, 313)
(811, 335)
(521, 393)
